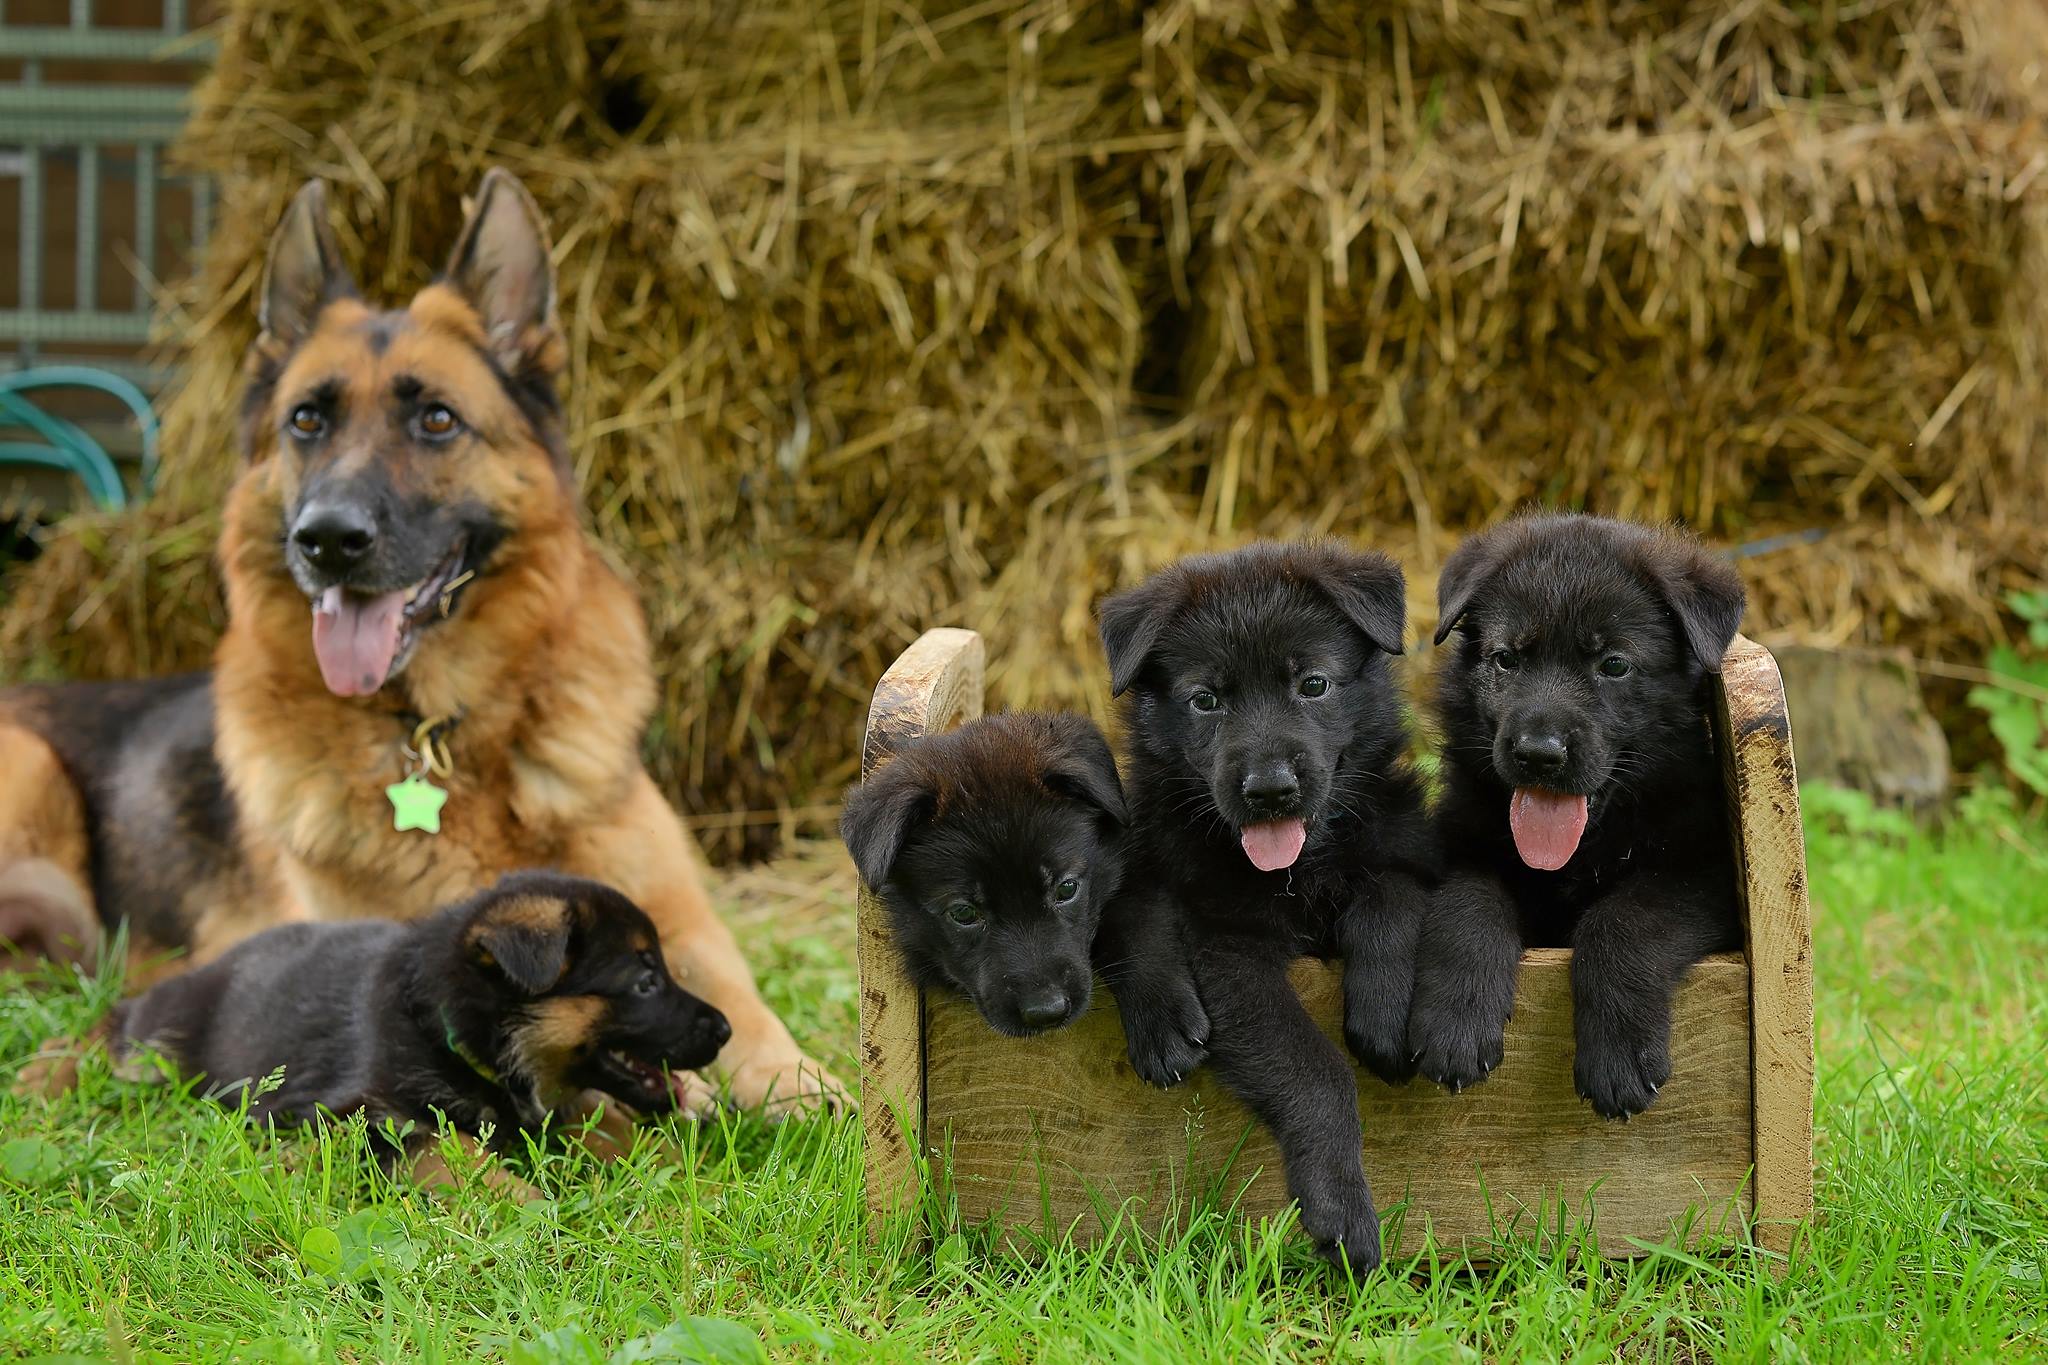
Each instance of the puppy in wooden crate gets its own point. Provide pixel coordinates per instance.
(995, 848)
(1274, 816)
(1583, 806)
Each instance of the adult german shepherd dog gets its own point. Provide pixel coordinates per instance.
(1582, 804)
(413, 602)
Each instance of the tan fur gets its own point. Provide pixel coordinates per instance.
(45, 867)
(427, 1167)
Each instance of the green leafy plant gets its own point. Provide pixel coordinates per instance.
(2016, 701)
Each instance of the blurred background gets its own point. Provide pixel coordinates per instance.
(890, 316)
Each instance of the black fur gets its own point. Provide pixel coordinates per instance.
(1258, 690)
(1540, 606)
(443, 1014)
(995, 848)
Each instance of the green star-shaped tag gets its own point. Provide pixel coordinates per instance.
(416, 804)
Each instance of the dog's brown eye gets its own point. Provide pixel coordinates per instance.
(1506, 660)
(1205, 702)
(1614, 666)
(964, 913)
(1066, 890)
(306, 421)
(1314, 685)
(438, 421)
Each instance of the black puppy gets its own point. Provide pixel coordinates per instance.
(491, 1012)
(1274, 816)
(1582, 804)
(995, 847)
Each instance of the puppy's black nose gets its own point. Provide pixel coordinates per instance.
(1043, 1008)
(1540, 753)
(1272, 786)
(335, 536)
(716, 1030)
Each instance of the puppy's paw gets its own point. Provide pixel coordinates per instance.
(1456, 1048)
(1345, 1229)
(1166, 1032)
(1620, 1077)
(1381, 1047)
(53, 1072)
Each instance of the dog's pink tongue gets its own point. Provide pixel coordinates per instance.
(1546, 826)
(1273, 844)
(356, 638)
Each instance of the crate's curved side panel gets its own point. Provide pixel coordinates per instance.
(933, 686)
(1755, 736)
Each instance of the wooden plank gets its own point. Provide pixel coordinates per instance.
(933, 686)
(1056, 1132)
(1755, 737)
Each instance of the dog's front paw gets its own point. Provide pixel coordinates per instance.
(1620, 1077)
(1345, 1229)
(1380, 1045)
(782, 1088)
(1456, 1047)
(1166, 1032)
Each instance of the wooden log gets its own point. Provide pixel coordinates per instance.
(935, 685)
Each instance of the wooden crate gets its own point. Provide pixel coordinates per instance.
(1056, 1135)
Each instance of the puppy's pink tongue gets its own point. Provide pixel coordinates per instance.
(1273, 844)
(356, 639)
(1546, 826)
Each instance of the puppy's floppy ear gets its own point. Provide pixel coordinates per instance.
(1468, 569)
(1702, 589)
(304, 270)
(880, 816)
(1369, 589)
(1081, 768)
(525, 938)
(501, 264)
(1131, 623)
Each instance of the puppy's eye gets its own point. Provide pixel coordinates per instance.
(1314, 685)
(1066, 890)
(1506, 660)
(1205, 701)
(306, 422)
(437, 422)
(1614, 666)
(647, 983)
(966, 914)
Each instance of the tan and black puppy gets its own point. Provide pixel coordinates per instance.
(490, 1013)
(995, 848)
(1582, 803)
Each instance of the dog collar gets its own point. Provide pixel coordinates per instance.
(468, 1055)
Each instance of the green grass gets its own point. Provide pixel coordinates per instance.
(139, 1224)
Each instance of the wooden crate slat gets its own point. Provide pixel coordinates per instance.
(1059, 1125)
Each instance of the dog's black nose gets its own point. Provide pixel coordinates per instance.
(335, 536)
(1044, 1008)
(1271, 787)
(1540, 753)
(717, 1030)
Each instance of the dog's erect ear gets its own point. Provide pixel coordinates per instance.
(304, 269)
(501, 264)
(525, 938)
(1131, 623)
(880, 816)
(1081, 768)
(1369, 589)
(1702, 589)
